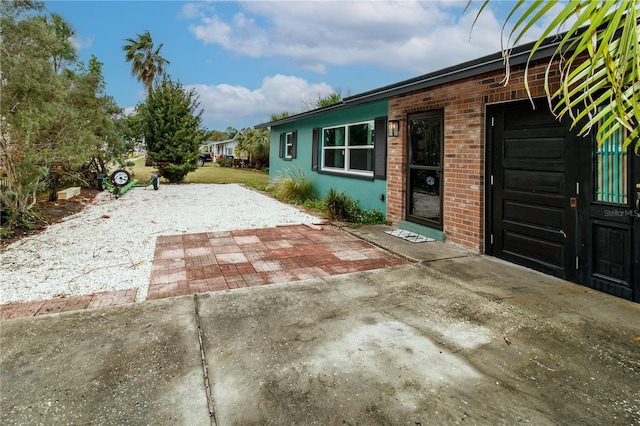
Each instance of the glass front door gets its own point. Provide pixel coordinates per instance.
(425, 170)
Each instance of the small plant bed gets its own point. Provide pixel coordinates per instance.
(296, 188)
(46, 213)
(338, 206)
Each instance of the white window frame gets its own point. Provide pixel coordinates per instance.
(347, 149)
(288, 145)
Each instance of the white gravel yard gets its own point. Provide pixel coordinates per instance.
(109, 245)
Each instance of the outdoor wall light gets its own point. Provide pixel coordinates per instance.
(394, 127)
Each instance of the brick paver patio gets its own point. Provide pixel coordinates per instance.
(64, 304)
(211, 261)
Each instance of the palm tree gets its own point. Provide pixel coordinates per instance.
(279, 116)
(331, 99)
(254, 142)
(146, 62)
(598, 57)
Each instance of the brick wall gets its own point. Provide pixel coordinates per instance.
(464, 105)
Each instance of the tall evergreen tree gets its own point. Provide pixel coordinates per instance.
(172, 128)
(61, 50)
(27, 81)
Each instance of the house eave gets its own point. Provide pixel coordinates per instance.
(301, 115)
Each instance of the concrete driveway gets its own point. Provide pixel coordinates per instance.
(452, 338)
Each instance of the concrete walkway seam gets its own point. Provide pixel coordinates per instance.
(205, 369)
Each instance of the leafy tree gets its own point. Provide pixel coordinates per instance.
(84, 128)
(599, 61)
(112, 134)
(231, 132)
(52, 117)
(216, 135)
(131, 129)
(146, 62)
(222, 135)
(61, 50)
(172, 128)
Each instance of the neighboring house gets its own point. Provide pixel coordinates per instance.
(469, 161)
(221, 148)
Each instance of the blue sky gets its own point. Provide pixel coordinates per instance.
(248, 60)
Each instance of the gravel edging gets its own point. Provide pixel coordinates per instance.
(109, 245)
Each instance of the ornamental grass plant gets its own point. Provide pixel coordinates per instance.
(293, 186)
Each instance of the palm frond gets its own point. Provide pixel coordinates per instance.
(598, 59)
(146, 63)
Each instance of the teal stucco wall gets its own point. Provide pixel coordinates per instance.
(370, 193)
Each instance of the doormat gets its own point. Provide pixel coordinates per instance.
(412, 237)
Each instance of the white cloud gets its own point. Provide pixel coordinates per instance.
(129, 111)
(80, 43)
(407, 35)
(237, 104)
(413, 36)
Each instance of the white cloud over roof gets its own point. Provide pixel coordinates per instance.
(417, 37)
(277, 94)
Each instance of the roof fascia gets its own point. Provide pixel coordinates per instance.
(301, 115)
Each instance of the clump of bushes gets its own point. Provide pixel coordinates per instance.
(10, 220)
(339, 206)
(371, 217)
(293, 187)
(314, 205)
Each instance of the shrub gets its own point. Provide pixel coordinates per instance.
(293, 187)
(11, 219)
(370, 217)
(175, 173)
(339, 206)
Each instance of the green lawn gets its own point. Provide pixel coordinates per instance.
(209, 173)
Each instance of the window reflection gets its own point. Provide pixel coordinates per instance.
(425, 169)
